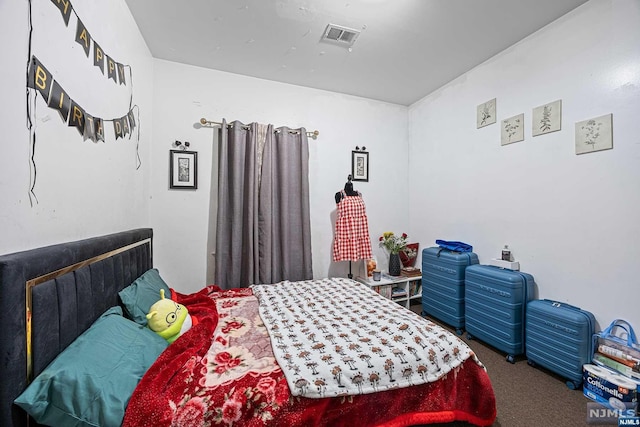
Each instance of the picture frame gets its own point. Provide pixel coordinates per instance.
(512, 130)
(486, 113)
(546, 118)
(370, 265)
(360, 166)
(183, 170)
(594, 134)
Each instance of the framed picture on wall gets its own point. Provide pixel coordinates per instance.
(183, 170)
(486, 113)
(547, 118)
(594, 134)
(512, 130)
(360, 165)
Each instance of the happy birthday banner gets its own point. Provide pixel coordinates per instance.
(115, 70)
(89, 126)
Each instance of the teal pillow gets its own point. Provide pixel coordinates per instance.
(91, 381)
(139, 296)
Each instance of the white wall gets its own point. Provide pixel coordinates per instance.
(571, 220)
(84, 189)
(184, 94)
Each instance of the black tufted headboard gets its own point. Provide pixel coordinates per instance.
(50, 295)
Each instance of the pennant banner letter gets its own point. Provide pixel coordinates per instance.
(121, 73)
(99, 128)
(65, 9)
(83, 37)
(39, 78)
(60, 101)
(117, 128)
(111, 69)
(89, 127)
(76, 117)
(132, 120)
(98, 56)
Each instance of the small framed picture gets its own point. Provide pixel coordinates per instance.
(512, 130)
(360, 165)
(486, 113)
(369, 266)
(594, 134)
(547, 118)
(183, 170)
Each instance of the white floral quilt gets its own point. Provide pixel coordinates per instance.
(335, 337)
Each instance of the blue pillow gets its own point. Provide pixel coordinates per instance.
(139, 296)
(91, 381)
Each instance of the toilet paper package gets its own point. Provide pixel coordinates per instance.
(609, 388)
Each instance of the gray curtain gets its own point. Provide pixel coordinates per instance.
(285, 227)
(263, 232)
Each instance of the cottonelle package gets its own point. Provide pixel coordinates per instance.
(609, 388)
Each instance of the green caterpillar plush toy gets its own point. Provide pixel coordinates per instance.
(168, 318)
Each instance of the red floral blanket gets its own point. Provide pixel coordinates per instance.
(223, 372)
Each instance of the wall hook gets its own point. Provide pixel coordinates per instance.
(179, 144)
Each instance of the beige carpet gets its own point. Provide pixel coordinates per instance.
(527, 396)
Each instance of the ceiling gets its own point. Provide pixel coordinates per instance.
(406, 49)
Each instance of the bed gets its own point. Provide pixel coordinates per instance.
(253, 357)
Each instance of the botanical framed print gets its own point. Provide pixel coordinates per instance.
(360, 165)
(512, 130)
(547, 118)
(594, 134)
(183, 170)
(486, 113)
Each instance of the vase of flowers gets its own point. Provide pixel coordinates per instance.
(394, 244)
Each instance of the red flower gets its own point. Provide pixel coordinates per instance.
(191, 363)
(265, 384)
(240, 396)
(191, 414)
(224, 361)
(381, 238)
(223, 358)
(231, 411)
(229, 303)
(404, 235)
(232, 325)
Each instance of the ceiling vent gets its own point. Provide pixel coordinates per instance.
(339, 35)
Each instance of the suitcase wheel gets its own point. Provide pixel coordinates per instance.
(573, 385)
(459, 331)
(531, 363)
(511, 358)
(469, 336)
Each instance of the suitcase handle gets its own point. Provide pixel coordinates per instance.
(562, 304)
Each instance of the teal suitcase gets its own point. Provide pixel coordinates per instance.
(495, 304)
(559, 337)
(443, 274)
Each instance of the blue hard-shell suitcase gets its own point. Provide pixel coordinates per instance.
(559, 337)
(443, 284)
(495, 306)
